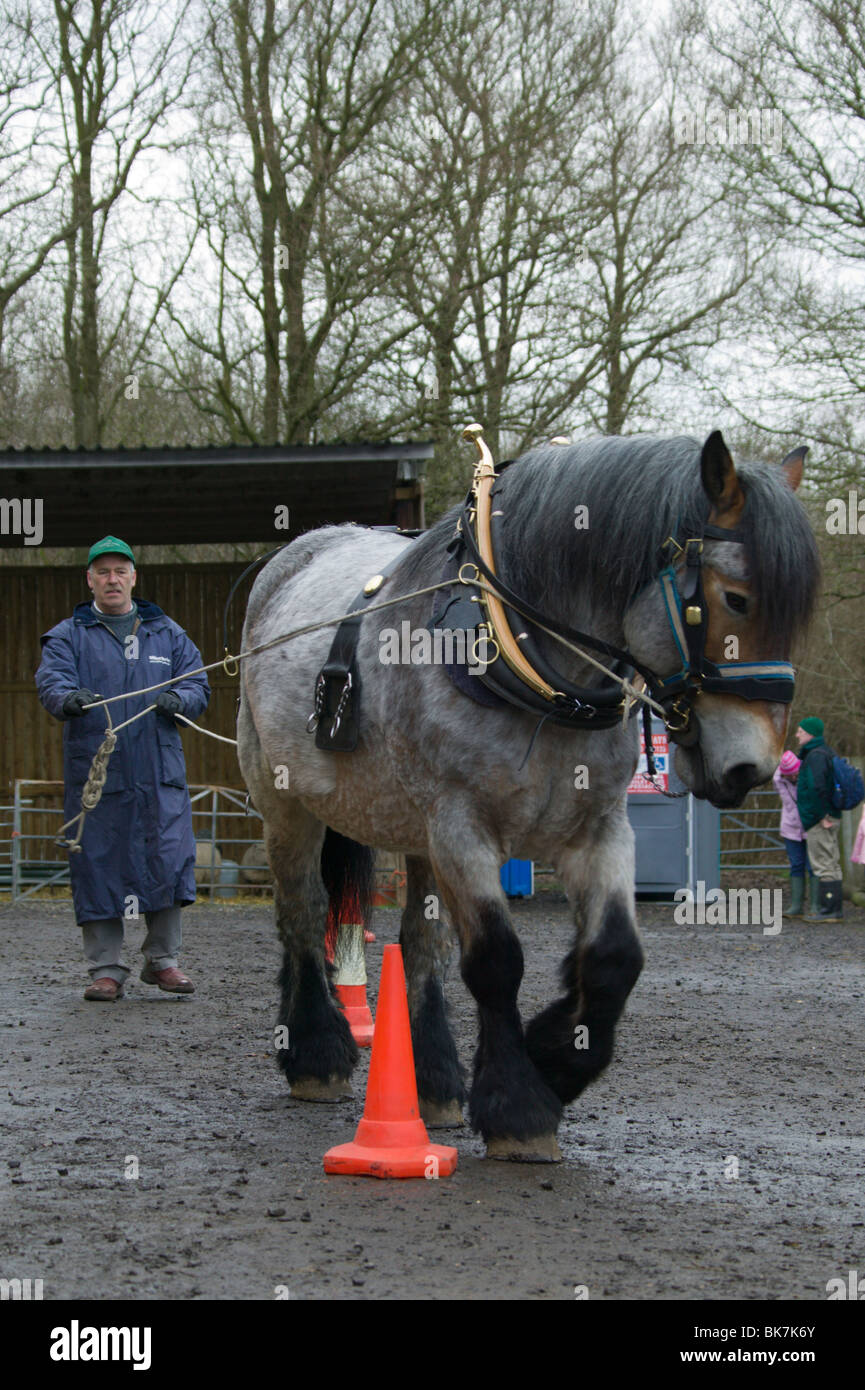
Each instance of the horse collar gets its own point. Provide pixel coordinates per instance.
(519, 672)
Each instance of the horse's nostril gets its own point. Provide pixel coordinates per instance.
(740, 779)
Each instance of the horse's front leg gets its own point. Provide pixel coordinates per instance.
(510, 1105)
(571, 1041)
(426, 943)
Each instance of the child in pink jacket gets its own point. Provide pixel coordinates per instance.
(858, 857)
(784, 779)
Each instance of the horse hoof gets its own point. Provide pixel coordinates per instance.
(441, 1115)
(542, 1149)
(313, 1088)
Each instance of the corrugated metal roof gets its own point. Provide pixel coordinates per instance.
(192, 495)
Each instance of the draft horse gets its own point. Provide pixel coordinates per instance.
(666, 558)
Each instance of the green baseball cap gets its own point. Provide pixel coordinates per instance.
(109, 545)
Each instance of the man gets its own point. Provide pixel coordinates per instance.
(819, 819)
(137, 847)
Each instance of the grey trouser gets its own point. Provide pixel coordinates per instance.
(103, 943)
(823, 852)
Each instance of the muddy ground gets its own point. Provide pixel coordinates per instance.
(736, 1048)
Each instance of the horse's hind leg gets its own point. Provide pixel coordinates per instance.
(426, 943)
(316, 1052)
(572, 1040)
(510, 1104)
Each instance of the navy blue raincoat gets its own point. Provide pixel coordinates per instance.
(138, 840)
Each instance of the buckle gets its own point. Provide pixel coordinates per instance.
(683, 713)
(340, 709)
(693, 559)
(677, 550)
(576, 705)
(318, 710)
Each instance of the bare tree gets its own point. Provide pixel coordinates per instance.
(109, 72)
(802, 63)
(295, 100)
(491, 154)
(796, 69)
(569, 258)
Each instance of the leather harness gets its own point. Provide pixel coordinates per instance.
(518, 673)
(337, 686)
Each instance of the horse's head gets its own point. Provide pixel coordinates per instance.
(758, 586)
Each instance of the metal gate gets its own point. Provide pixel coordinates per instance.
(750, 835)
(32, 860)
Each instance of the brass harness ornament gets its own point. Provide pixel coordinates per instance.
(497, 621)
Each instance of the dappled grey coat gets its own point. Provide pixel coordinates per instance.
(138, 840)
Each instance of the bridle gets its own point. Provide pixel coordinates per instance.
(595, 707)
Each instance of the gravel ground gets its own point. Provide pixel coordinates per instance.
(738, 1053)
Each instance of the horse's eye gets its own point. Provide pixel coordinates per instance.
(738, 602)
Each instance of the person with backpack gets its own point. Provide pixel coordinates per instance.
(815, 799)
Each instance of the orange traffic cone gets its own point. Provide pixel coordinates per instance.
(391, 1139)
(350, 980)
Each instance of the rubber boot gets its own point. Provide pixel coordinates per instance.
(797, 895)
(830, 900)
(836, 901)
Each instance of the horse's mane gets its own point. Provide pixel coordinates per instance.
(638, 491)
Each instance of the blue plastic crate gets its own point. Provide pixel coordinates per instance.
(518, 878)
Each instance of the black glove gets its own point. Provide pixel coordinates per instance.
(73, 705)
(168, 703)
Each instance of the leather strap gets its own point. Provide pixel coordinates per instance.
(336, 715)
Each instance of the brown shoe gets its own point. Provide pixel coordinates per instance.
(172, 980)
(104, 990)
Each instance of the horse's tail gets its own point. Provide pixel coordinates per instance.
(348, 874)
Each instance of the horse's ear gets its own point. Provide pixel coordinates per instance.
(718, 472)
(793, 466)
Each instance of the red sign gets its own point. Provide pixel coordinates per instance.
(640, 780)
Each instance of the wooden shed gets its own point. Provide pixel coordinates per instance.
(180, 497)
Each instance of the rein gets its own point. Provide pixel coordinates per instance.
(544, 691)
(95, 783)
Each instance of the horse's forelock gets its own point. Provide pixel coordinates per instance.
(637, 492)
(783, 560)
